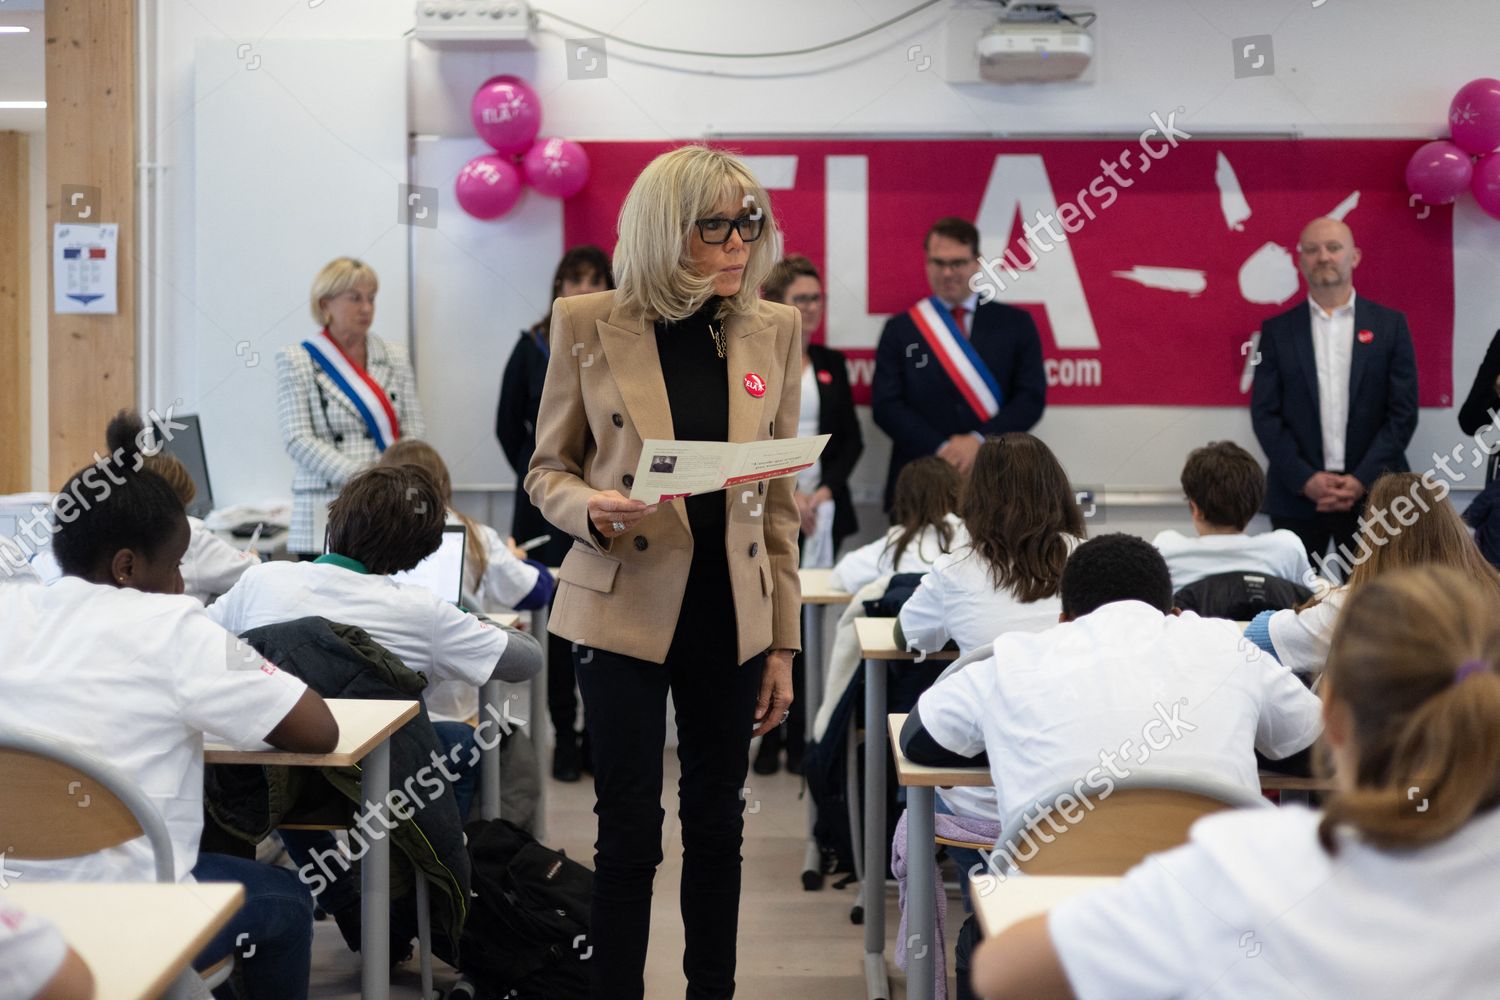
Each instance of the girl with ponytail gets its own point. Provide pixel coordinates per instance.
(1383, 894)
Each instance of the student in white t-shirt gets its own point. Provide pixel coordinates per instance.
(496, 575)
(925, 525)
(1124, 681)
(1408, 521)
(1386, 893)
(112, 660)
(36, 963)
(1021, 521)
(384, 520)
(1225, 487)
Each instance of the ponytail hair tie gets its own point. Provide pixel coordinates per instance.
(1469, 669)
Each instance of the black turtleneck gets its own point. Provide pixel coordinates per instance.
(697, 381)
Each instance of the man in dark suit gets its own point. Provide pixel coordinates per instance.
(1335, 398)
(913, 398)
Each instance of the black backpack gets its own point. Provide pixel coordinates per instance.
(527, 933)
(1240, 596)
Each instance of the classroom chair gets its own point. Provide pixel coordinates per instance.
(43, 783)
(1149, 810)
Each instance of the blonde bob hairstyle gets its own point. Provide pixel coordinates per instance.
(653, 262)
(336, 278)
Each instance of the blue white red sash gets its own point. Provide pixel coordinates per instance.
(366, 395)
(975, 382)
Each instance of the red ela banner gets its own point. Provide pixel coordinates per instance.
(1147, 265)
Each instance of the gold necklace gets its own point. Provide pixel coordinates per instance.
(718, 336)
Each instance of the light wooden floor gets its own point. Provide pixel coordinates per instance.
(792, 943)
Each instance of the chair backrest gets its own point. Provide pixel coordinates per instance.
(61, 802)
(1149, 810)
(1240, 595)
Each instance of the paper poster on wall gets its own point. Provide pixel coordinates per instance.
(84, 273)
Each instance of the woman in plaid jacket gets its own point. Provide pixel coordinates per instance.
(342, 396)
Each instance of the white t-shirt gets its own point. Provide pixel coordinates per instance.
(870, 562)
(135, 679)
(1252, 907)
(1191, 558)
(211, 565)
(1122, 687)
(1302, 638)
(503, 580)
(31, 953)
(425, 632)
(958, 600)
(807, 426)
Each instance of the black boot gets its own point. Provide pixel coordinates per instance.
(768, 757)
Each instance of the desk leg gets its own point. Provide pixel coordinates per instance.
(812, 698)
(375, 879)
(492, 707)
(856, 825)
(538, 723)
(921, 917)
(875, 848)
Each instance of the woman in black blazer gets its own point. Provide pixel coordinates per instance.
(582, 269)
(795, 282)
(1484, 399)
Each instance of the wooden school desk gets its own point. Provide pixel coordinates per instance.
(136, 938)
(365, 728)
(921, 784)
(999, 905)
(818, 593)
(877, 647)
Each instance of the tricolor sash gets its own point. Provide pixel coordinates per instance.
(366, 395)
(973, 378)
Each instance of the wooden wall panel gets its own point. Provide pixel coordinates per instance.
(15, 315)
(91, 361)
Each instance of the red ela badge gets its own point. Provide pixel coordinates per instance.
(1365, 336)
(825, 377)
(755, 385)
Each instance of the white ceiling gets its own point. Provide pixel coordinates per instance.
(22, 65)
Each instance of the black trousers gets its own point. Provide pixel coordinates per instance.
(1318, 531)
(625, 713)
(562, 701)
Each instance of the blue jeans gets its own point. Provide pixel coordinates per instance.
(964, 857)
(272, 932)
(343, 889)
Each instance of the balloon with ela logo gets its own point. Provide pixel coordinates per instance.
(488, 186)
(1474, 116)
(506, 113)
(558, 168)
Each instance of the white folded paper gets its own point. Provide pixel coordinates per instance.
(672, 469)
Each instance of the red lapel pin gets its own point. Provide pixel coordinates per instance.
(755, 385)
(1365, 336)
(825, 377)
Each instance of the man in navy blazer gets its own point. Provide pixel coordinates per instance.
(912, 397)
(1335, 398)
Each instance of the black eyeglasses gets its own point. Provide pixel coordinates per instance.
(716, 231)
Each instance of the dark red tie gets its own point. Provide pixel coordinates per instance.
(959, 312)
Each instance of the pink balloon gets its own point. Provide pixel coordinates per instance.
(488, 186)
(558, 168)
(1486, 186)
(1439, 172)
(1474, 116)
(506, 113)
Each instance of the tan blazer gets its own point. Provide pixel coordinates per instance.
(603, 396)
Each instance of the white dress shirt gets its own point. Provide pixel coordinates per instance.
(1333, 349)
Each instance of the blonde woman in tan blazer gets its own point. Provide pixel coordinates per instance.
(698, 597)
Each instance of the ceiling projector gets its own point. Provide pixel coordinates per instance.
(1047, 46)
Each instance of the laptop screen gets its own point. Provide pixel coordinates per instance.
(187, 447)
(443, 571)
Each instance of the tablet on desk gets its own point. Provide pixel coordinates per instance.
(443, 571)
